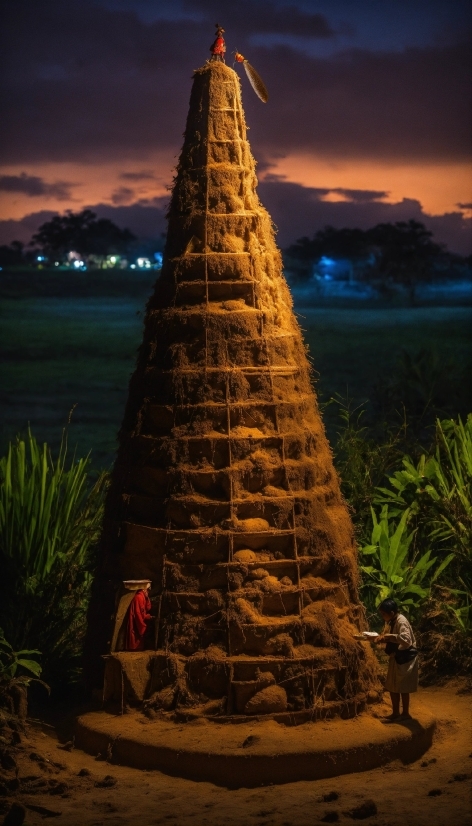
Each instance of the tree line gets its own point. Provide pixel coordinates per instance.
(402, 253)
(90, 237)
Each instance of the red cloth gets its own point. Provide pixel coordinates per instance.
(219, 46)
(138, 617)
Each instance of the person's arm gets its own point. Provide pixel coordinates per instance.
(383, 637)
(404, 634)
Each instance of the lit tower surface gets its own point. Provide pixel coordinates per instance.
(224, 492)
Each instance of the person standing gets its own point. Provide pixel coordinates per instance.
(218, 47)
(138, 619)
(402, 675)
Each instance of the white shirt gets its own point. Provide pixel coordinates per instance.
(402, 631)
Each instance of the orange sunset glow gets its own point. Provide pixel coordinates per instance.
(439, 187)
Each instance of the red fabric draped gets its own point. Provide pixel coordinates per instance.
(138, 617)
(219, 46)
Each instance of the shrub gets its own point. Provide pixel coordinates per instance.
(364, 455)
(13, 683)
(50, 520)
(395, 571)
(438, 492)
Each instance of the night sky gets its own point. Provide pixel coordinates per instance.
(368, 117)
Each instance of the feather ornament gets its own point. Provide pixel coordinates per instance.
(256, 82)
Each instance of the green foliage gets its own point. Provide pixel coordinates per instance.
(430, 500)
(462, 613)
(50, 519)
(11, 660)
(363, 459)
(414, 529)
(438, 490)
(14, 682)
(395, 571)
(422, 387)
(445, 633)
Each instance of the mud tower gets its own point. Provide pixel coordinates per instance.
(224, 492)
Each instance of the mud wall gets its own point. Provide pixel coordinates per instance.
(224, 491)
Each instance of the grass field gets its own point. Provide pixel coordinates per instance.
(61, 351)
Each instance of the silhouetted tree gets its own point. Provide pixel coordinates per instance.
(401, 253)
(339, 244)
(12, 255)
(405, 253)
(83, 233)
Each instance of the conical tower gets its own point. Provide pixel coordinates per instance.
(224, 492)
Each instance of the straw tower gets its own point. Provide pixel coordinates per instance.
(224, 491)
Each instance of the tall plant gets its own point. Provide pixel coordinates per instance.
(394, 570)
(50, 518)
(438, 491)
(363, 458)
(14, 682)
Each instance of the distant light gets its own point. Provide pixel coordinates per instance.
(56, 263)
(327, 262)
(40, 258)
(113, 259)
(78, 264)
(133, 266)
(158, 258)
(143, 263)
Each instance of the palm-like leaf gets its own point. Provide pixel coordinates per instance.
(256, 82)
(50, 518)
(391, 572)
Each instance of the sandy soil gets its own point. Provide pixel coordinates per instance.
(78, 790)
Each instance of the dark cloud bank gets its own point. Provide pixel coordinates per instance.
(83, 82)
(86, 83)
(34, 186)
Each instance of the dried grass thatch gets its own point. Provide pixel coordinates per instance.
(224, 491)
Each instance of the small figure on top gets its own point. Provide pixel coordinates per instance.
(218, 48)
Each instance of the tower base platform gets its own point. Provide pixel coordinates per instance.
(254, 753)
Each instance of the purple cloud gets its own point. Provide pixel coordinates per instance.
(34, 186)
(83, 82)
(137, 176)
(264, 17)
(123, 195)
(319, 193)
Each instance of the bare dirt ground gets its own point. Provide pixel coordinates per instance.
(73, 788)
